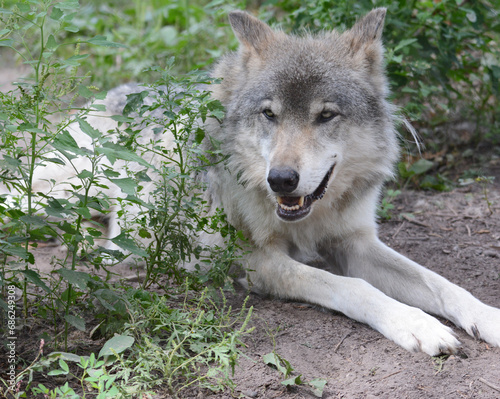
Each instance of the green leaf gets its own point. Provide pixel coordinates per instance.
(84, 91)
(67, 228)
(134, 101)
(24, 8)
(404, 43)
(318, 385)
(421, 166)
(122, 119)
(114, 151)
(51, 43)
(85, 174)
(7, 43)
(65, 143)
(34, 221)
(75, 59)
(83, 211)
(106, 296)
(56, 372)
(80, 279)
(103, 41)
(20, 252)
(55, 160)
(35, 279)
(127, 185)
(72, 29)
(63, 365)
(69, 5)
(56, 13)
(281, 364)
(293, 381)
(118, 343)
(75, 321)
(128, 245)
(88, 129)
(55, 208)
(70, 357)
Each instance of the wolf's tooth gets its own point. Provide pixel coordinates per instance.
(301, 202)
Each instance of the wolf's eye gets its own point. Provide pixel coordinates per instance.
(326, 116)
(268, 114)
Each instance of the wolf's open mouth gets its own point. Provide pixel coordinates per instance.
(296, 208)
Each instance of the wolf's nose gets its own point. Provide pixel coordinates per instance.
(283, 180)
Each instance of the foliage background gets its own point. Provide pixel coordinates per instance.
(443, 60)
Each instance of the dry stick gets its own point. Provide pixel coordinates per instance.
(390, 375)
(342, 340)
(398, 230)
(416, 222)
(451, 209)
(492, 386)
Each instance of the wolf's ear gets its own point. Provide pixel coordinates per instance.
(364, 39)
(369, 28)
(250, 31)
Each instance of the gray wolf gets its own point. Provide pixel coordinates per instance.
(310, 139)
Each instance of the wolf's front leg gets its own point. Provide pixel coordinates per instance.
(272, 271)
(408, 282)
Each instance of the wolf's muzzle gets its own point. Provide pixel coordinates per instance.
(292, 208)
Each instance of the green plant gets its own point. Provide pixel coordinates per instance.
(418, 174)
(91, 372)
(33, 139)
(386, 206)
(173, 216)
(439, 362)
(153, 31)
(196, 343)
(32, 30)
(477, 176)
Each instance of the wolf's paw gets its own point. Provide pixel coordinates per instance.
(416, 331)
(484, 324)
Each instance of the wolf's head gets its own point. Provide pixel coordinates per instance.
(307, 117)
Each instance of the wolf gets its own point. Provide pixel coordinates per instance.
(310, 138)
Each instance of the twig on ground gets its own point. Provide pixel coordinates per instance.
(416, 222)
(342, 340)
(491, 385)
(398, 230)
(390, 375)
(451, 209)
